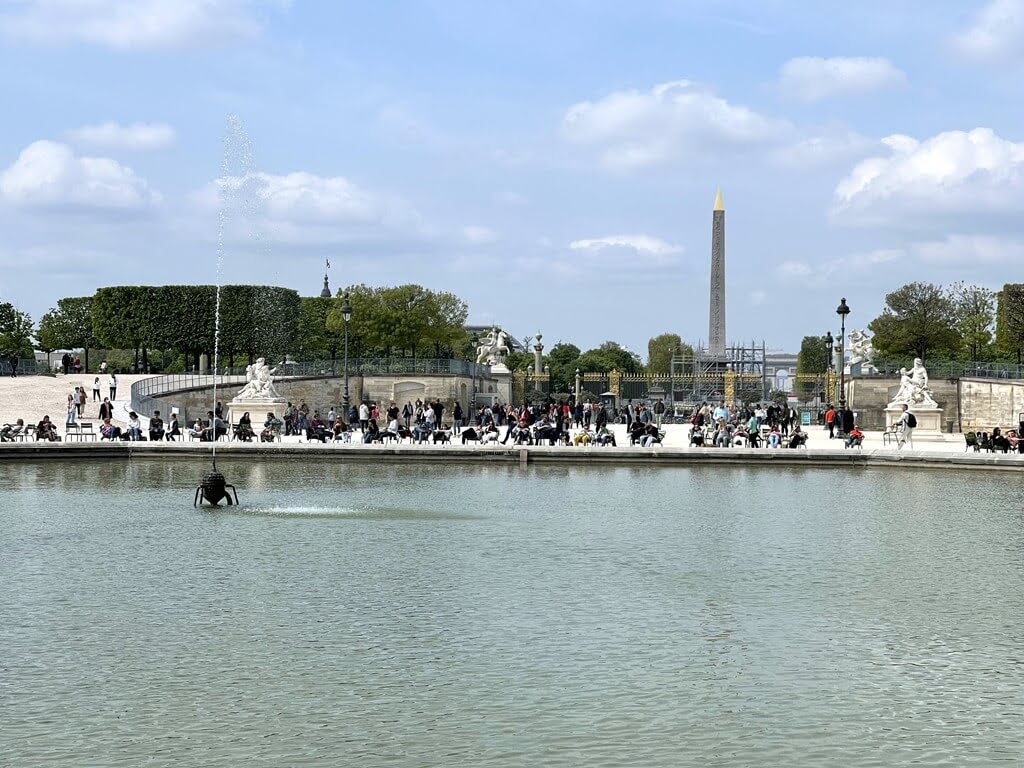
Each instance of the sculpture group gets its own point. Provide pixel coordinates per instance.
(493, 348)
(259, 378)
(914, 390)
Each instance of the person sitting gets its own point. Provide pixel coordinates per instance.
(546, 431)
(156, 427)
(372, 433)
(854, 437)
(723, 436)
(46, 430)
(1013, 439)
(421, 432)
(652, 435)
(999, 441)
(604, 436)
(109, 431)
(636, 432)
(490, 434)
(244, 430)
(583, 437)
(774, 438)
(798, 438)
(469, 433)
(271, 429)
(215, 428)
(393, 432)
(316, 430)
(521, 434)
(134, 430)
(340, 430)
(11, 431)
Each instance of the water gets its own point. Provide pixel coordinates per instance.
(400, 615)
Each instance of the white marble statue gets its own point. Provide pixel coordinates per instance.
(259, 378)
(914, 387)
(493, 348)
(862, 352)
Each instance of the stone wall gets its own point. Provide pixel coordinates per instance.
(323, 393)
(987, 403)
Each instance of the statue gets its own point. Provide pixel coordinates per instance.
(862, 352)
(259, 378)
(914, 389)
(493, 348)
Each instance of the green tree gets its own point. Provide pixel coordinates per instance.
(975, 316)
(15, 332)
(1010, 320)
(68, 326)
(315, 340)
(610, 356)
(519, 361)
(562, 360)
(919, 319)
(121, 317)
(663, 348)
(812, 360)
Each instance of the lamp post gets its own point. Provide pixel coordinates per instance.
(346, 314)
(577, 386)
(828, 366)
(473, 414)
(842, 310)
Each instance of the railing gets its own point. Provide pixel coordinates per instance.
(25, 367)
(954, 369)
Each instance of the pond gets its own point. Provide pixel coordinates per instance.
(419, 615)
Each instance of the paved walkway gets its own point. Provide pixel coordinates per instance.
(30, 397)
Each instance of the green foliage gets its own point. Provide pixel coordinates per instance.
(919, 319)
(562, 361)
(813, 356)
(15, 332)
(402, 320)
(259, 320)
(663, 348)
(610, 356)
(315, 340)
(67, 326)
(1010, 320)
(519, 361)
(974, 307)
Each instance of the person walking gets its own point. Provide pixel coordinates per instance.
(907, 423)
(113, 387)
(830, 421)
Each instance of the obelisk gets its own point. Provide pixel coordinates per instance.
(716, 323)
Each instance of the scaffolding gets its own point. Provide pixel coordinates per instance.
(740, 375)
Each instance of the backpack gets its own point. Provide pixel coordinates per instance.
(911, 420)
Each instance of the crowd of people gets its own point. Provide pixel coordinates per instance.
(746, 426)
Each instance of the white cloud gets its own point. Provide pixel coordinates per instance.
(113, 135)
(953, 172)
(997, 32)
(48, 173)
(809, 78)
(829, 147)
(651, 247)
(824, 272)
(477, 235)
(138, 24)
(633, 129)
(301, 207)
(971, 250)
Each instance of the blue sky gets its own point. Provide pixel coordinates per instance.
(553, 163)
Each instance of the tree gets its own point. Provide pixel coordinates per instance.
(15, 332)
(610, 356)
(662, 349)
(519, 361)
(68, 326)
(1010, 320)
(315, 340)
(918, 319)
(975, 316)
(812, 360)
(562, 360)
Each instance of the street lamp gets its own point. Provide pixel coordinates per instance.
(473, 414)
(828, 365)
(577, 386)
(842, 310)
(346, 314)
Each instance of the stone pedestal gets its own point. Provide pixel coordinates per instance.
(258, 410)
(929, 421)
(502, 382)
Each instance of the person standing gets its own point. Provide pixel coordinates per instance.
(113, 387)
(82, 400)
(364, 416)
(457, 418)
(106, 409)
(72, 406)
(906, 427)
(659, 412)
(830, 421)
(96, 390)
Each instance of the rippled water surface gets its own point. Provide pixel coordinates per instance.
(402, 615)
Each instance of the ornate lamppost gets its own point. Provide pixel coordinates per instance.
(842, 310)
(828, 366)
(577, 386)
(346, 314)
(473, 413)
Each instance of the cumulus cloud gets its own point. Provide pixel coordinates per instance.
(304, 207)
(971, 250)
(626, 252)
(139, 24)
(953, 172)
(111, 135)
(814, 151)
(809, 78)
(633, 129)
(822, 272)
(48, 173)
(997, 32)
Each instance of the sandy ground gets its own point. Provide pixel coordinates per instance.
(30, 397)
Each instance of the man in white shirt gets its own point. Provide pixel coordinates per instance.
(906, 429)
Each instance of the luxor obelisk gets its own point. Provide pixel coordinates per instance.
(716, 321)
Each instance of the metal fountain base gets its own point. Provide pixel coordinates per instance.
(213, 489)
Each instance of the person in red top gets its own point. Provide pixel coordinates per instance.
(830, 421)
(854, 437)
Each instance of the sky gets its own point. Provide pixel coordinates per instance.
(552, 163)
